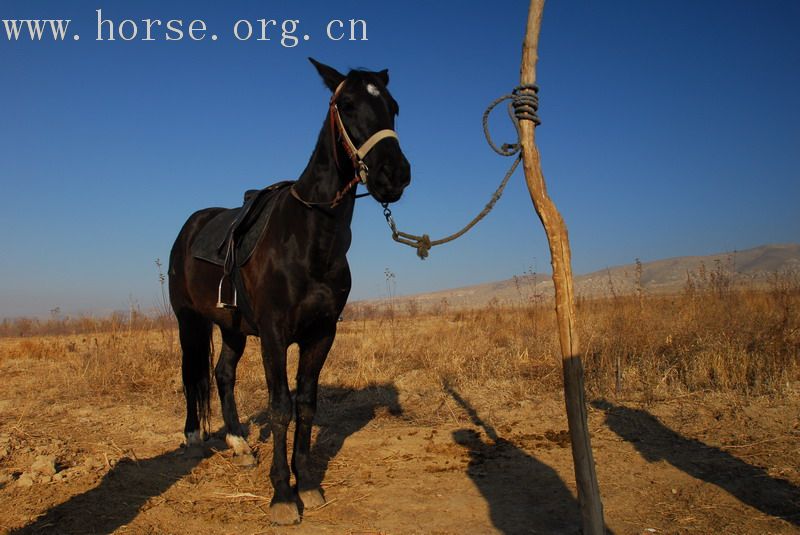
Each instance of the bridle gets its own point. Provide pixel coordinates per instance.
(356, 154)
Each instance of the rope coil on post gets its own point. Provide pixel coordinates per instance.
(523, 107)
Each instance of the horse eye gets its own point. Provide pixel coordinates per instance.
(345, 104)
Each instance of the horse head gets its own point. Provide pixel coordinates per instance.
(362, 115)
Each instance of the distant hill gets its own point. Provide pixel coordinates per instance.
(661, 276)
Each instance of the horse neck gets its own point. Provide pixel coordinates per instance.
(322, 178)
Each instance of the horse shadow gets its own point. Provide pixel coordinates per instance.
(749, 484)
(524, 494)
(130, 484)
(119, 497)
(341, 412)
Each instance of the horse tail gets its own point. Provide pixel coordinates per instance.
(195, 334)
(194, 331)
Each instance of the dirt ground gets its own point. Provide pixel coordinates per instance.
(409, 456)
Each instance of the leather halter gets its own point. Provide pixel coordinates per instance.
(356, 155)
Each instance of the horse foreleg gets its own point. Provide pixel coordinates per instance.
(312, 356)
(283, 508)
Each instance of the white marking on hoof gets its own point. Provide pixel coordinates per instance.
(238, 445)
(312, 499)
(245, 461)
(193, 439)
(284, 514)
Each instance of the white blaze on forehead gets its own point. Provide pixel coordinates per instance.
(372, 90)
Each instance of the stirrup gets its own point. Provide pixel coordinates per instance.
(220, 302)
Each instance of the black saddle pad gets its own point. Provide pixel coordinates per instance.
(245, 225)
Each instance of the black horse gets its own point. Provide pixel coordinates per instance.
(296, 281)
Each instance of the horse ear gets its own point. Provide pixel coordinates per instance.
(330, 76)
(383, 76)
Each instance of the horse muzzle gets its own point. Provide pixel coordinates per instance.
(387, 182)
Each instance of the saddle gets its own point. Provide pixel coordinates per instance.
(228, 239)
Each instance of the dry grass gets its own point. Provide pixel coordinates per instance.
(745, 341)
(709, 337)
(57, 325)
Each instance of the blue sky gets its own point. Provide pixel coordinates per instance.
(669, 128)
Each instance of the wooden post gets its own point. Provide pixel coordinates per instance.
(588, 490)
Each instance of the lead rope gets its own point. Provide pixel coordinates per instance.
(523, 107)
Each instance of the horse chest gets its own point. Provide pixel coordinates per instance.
(322, 303)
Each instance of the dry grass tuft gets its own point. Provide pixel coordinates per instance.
(710, 337)
(713, 336)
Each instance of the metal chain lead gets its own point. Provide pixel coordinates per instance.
(523, 107)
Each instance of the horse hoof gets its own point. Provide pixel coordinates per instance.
(246, 460)
(284, 514)
(238, 445)
(312, 499)
(194, 438)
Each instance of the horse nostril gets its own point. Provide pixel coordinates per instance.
(405, 172)
(397, 172)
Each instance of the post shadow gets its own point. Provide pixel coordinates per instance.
(524, 494)
(749, 484)
(117, 499)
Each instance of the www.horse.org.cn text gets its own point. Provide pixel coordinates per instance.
(284, 32)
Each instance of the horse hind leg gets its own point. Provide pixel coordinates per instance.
(233, 345)
(195, 338)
